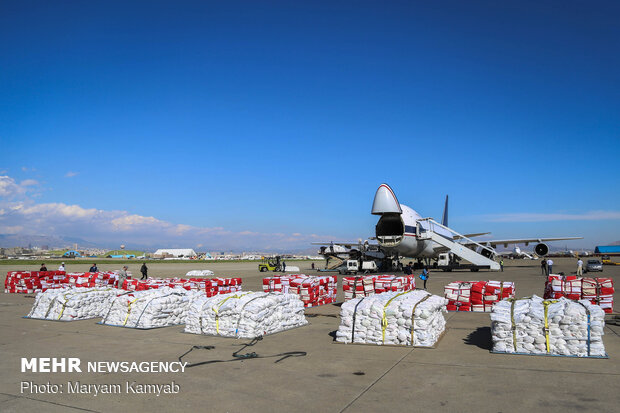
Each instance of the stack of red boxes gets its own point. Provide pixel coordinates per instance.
(211, 286)
(366, 285)
(598, 291)
(27, 282)
(478, 296)
(219, 285)
(312, 290)
(88, 279)
(458, 294)
(102, 279)
(558, 286)
(35, 281)
(486, 293)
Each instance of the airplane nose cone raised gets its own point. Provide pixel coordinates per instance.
(385, 201)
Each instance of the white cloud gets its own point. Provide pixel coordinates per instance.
(9, 188)
(539, 217)
(71, 174)
(20, 214)
(120, 226)
(29, 182)
(5, 229)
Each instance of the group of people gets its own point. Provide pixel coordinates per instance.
(546, 266)
(44, 268)
(408, 270)
(122, 274)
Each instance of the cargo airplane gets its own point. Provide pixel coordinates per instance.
(403, 232)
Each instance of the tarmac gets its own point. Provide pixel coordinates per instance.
(460, 375)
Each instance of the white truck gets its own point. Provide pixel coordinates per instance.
(447, 262)
(353, 267)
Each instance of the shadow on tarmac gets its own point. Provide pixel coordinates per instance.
(481, 337)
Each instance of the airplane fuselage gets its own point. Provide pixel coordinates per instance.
(398, 234)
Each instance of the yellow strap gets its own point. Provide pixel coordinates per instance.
(546, 304)
(65, 297)
(513, 326)
(413, 314)
(63, 305)
(216, 310)
(129, 310)
(384, 321)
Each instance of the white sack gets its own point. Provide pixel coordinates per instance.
(244, 315)
(159, 307)
(567, 323)
(72, 303)
(429, 322)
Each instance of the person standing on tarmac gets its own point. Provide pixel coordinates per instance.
(144, 270)
(543, 267)
(43, 267)
(501, 265)
(424, 276)
(579, 267)
(122, 276)
(408, 270)
(549, 266)
(283, 266)
(94, 268)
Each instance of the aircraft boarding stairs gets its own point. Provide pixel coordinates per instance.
(456, 247)
(334, 262)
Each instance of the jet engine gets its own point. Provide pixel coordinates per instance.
(541, 249)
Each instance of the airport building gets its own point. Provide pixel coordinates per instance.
(72, 254)
(607, 250)
(175, 253)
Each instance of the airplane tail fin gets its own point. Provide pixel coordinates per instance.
(444, 218)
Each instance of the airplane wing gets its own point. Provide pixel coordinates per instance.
(505, 242)
(341, 243)
(470, 235)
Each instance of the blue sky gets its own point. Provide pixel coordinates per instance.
(278, 118)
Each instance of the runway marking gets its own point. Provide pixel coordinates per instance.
(46, 401)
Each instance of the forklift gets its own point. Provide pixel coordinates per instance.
(270, 264)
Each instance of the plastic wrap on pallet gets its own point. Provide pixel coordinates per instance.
(160, 307)
(557, 327)
(478, 296)
(599, 291)
(365, 285)
(211, 286)
(72, 303)
(596, 290)
(388, 318)
(245, 315)
(200, 273)
(312, 290)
